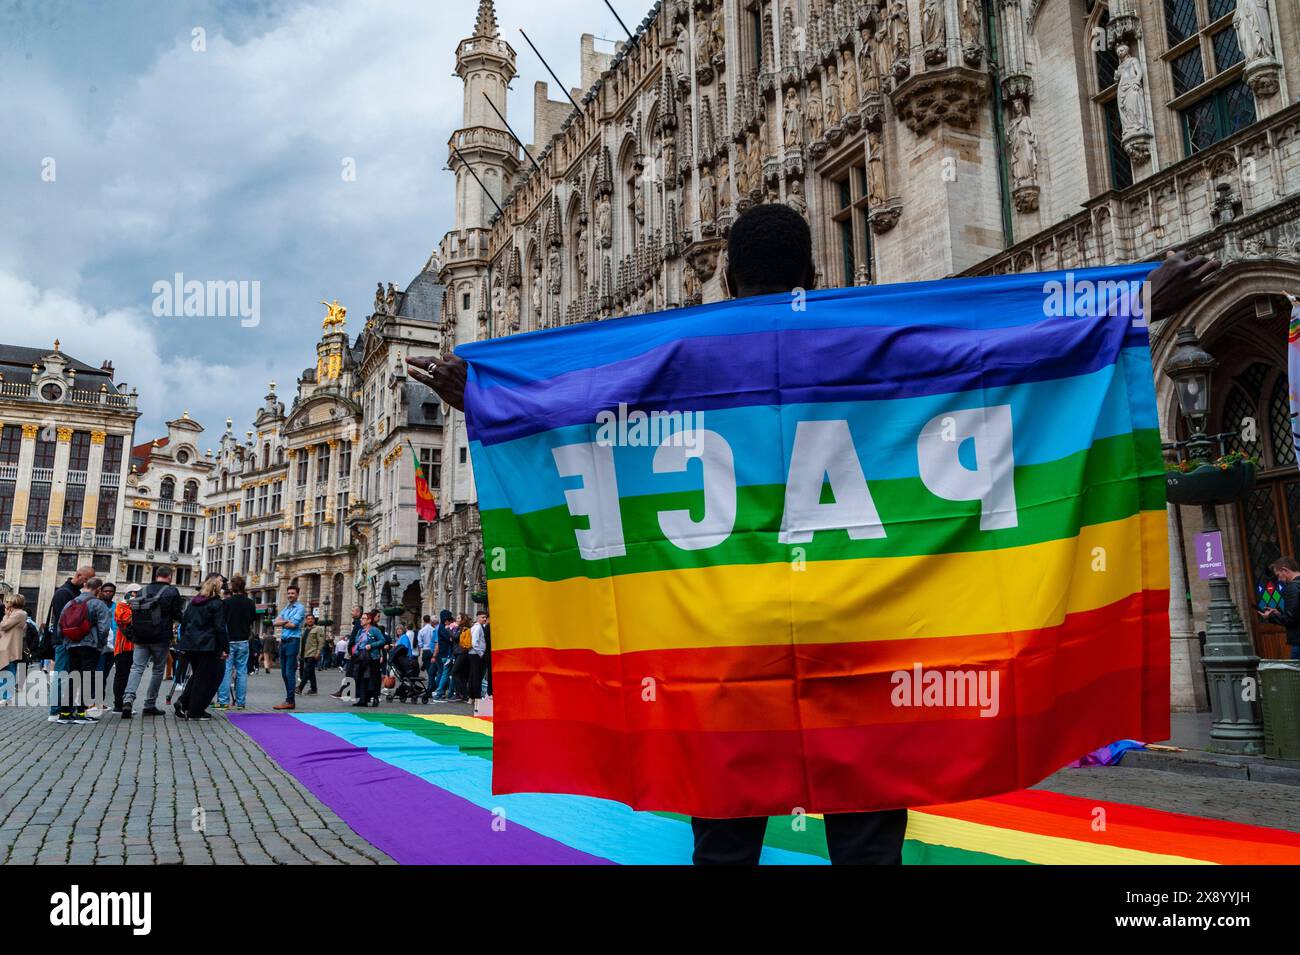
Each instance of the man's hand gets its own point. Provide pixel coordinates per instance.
(1180, 280)
(445, 375)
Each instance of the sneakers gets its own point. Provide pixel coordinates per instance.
(283, 706)
(84, 720)
(151, 711)
(201, 718)
(310, 693)
(241, 706)
(180, 713)
(337, 696)
(221, 706)
(126, 711)
(52, 718)
(65, 720)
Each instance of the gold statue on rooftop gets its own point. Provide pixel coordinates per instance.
(336, 316)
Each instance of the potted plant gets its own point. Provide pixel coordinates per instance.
(1222, 480)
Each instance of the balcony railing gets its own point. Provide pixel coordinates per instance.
(43, 475)
(8, 472)
(189, 507)
(105, 541)
(34, 538)
(110, 479)
(4, 537)
(16, 389)
(68, 538)
(166, 504)
(76, 477)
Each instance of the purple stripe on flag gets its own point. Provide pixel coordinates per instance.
(400, 814)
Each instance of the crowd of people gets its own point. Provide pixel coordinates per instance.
(208, 646)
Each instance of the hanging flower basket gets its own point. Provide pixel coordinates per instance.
(1225, 481)
(479, 596)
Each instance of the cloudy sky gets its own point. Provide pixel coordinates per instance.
(133, 147)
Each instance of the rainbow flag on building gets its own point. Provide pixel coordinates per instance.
(855, 549)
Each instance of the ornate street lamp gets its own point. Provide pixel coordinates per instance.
(1229, 658)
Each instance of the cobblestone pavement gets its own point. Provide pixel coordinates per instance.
(127, 791)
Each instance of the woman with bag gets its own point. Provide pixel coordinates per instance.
(205, 641)
(12, 632)
(366, 661)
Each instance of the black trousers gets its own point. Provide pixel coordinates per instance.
(308, 673)
(206, 671)
(121, 673)
(852, 838)
(475, 676)
(460, 673)
(82, 664)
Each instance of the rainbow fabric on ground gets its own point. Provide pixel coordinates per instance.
(419, 789)
(960, 478)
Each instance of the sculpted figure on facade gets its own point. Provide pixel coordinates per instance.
(1023, 147)
(848, 82)
(813, 112)
(792, 121)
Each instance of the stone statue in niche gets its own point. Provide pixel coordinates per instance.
(876, 189)
(724, 185)
(795, 198)
(708, 196)
(604, 214)
(1023, 146)
(833, 114)
(813, 112)
(1254, 29)
(792, 121)
(581, 241)
(848, 83)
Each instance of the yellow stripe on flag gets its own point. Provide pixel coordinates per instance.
(471, 723)
(979, 592)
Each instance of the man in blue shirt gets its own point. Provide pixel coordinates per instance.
(290, 624)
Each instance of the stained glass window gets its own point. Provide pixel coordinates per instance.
(1180, 20)
(1279, 420)
(1188, 71)
(1121, 167)
(1218, 116)
(1221, 8)
(1262, 546)
(1227, 51)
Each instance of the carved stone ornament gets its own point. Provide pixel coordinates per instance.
(952, 95)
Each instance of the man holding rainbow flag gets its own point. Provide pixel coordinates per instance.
(851, 551)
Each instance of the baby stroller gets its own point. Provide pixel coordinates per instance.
(405, 677)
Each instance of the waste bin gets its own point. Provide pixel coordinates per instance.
(1279, 682)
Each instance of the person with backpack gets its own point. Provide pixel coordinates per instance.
(12, 632)
(240, 614)
(154, 612)
(83, 627)
(205, 641)
(460, 660)
(56, 650)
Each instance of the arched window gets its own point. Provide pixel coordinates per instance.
(167, 490)
(191, 491)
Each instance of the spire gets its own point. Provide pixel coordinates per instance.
(486, 25)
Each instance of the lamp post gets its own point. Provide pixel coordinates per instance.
(1229, 658)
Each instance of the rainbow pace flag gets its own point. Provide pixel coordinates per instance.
(875, 547)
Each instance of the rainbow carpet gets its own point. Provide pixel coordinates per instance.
(419, 788)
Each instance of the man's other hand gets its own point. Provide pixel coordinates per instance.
(1178, 281)
(445, 375)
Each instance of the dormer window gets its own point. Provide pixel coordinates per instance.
(52, 391)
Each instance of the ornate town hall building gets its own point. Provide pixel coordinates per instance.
(921, 139)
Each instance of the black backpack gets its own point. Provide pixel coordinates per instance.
(149, 624)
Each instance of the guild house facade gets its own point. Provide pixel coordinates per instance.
(921, 139)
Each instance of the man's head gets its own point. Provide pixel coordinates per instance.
(356, 613)
(446, 616)
(83, 574)
(92, 585)
(162, 574)
(309, 620)
(292, 593)
(108, 592)
(482, 616)
(237, 584)
(769, 251)
(1285, 569)
(428, 619)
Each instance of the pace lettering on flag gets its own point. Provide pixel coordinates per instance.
(903, 546)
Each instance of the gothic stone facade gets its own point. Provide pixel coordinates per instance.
(921, 139)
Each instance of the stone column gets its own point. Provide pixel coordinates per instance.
(22, 487)
(1186, 683)
(59, 486)
(94, 470)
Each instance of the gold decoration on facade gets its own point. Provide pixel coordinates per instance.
(97, 437)
(64, 434)
(142, 505)
(29, 432)
(336, 316)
